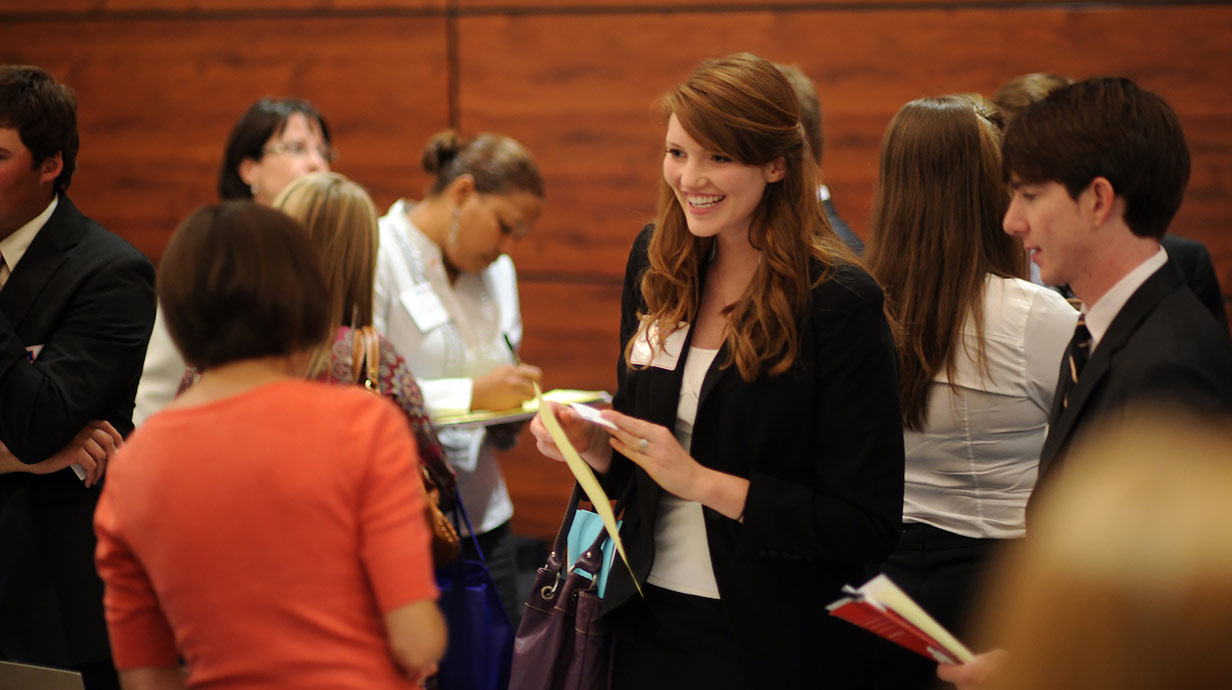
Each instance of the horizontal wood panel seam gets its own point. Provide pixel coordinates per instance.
(531, 9)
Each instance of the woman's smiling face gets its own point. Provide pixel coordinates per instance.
(718, 195)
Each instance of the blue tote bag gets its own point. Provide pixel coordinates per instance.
(480, 635)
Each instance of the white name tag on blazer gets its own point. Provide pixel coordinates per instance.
(646, 348)
(424, 307)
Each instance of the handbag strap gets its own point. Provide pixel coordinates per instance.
(592, 558)
(365, 358)
(458, 509)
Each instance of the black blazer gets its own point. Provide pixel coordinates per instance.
(87, 297)
(1194, 260)
(1163, 348)
(822, 446)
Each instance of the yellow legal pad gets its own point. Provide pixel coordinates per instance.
(470, 420)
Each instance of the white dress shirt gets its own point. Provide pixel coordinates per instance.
(973, 466)
(1105, 309)
(13, 247)
(449, 335)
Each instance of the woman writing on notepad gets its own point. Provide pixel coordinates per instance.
(757, 410)
(447, 297)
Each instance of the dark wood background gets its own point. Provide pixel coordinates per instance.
(160, 83)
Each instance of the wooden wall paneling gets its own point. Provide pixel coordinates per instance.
(206, 7)
(582, 98)
(157, 99)
(647, 7)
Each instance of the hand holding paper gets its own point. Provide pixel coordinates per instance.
(586, 479)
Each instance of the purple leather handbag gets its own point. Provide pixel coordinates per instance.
(561, 643)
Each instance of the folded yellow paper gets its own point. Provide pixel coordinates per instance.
(586, 479)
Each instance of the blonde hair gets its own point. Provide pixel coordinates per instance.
(1125, 580)
(342, 221)
(743, 107)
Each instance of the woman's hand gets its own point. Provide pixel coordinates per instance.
(505, 387)
(91, 448)
(655, 449)
(585, 436)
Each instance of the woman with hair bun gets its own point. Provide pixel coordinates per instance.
(447, 297)
(756, 413)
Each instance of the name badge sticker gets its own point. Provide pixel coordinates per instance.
(646, 348)
(424, 307)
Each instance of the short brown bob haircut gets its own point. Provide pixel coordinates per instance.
(241, 281)
(1105, 127)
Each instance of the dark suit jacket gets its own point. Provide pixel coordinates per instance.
(1163, 348)
(1195, 263)
(87, 297)
(822, 446)
(843, 230)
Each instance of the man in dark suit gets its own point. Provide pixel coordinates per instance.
(1093, 196)
(76, 309)
(810, 117)
(1098, 170)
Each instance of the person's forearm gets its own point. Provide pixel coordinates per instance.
(9, 462)
(725, 493)
(154, 678)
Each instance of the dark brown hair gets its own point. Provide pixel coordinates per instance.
(742, 107)
(498, 163)
(241, 281)
(936, 234)
(44, 114)
(264, 119)
(1105, 127)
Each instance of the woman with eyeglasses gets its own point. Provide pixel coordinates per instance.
(447, 297)
(275, 142)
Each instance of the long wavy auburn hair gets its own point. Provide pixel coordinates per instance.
(936, 234)
(742, 107)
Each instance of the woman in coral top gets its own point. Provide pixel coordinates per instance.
(266, 530)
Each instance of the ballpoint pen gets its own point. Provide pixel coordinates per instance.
(512, 351)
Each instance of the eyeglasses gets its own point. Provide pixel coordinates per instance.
(299, 149)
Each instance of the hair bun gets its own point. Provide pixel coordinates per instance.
(442, 148)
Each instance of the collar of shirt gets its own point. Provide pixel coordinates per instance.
(15, 245)
(1099, 317)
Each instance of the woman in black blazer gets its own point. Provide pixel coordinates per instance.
(757, 413)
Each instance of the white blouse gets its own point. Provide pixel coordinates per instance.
(973, 466)
(449, 335)
(682, 552)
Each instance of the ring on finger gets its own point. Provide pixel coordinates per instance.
(642, 445)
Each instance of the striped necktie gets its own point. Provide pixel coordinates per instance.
(1076, 356)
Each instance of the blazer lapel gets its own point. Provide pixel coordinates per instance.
(1061, 422)
(45, 254)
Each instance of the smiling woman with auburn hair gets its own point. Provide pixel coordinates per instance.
(756, 414)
